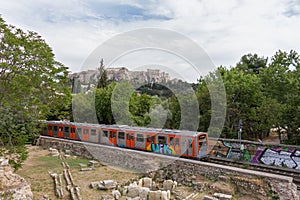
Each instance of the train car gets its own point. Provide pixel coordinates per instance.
(182, 143)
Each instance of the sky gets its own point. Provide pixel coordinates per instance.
(225, 30)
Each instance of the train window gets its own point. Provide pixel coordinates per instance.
(162, 139)
(60, 129)
(172, 140)
(93, 132)
(79, 131)
(130, 136)
(55, 128)
(150, 138)
(121, 135)
(67, 129)
(50, 128)
(139, 137)
(105, 133)
(112, 135)
(85, 131)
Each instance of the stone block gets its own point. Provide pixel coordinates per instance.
(155, 195)
(147, 182)
(223, 196)
(168, 185)
(116, 194)
(143, 192)
(133, 191)
(164, 195)
(209, 198)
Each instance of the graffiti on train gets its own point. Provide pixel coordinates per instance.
(232, 151)
(281, 157)
(161, 148)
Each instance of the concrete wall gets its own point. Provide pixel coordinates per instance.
(181, 170)
(268, 154)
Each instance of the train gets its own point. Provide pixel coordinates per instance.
(182, 143)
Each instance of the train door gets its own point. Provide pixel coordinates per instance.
(187, 146)
(202, 145)
(113, 137)
(72, 132)
(174, 143)
(66, 132)
(60, 131)
(104, 136)
(162, 146)
(140, 142)
(121, 139)
(150, 141)
(93, 135)
(85, 134)
(79, 133)
(50, 127)
(130, 139)
(55, 131)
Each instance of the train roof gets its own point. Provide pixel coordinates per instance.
(131, 128)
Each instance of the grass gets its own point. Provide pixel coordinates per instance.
(74, 162)
(50, 162)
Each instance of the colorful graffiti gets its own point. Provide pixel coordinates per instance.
(281, 157)
(161, 148)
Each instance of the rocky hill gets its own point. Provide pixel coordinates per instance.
(90, 78)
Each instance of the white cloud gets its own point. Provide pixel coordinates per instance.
(225, 29)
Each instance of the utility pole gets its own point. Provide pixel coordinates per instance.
(240, 130)
(240, 136)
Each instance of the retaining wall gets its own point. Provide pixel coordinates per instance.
(260, 153)
(182, 170)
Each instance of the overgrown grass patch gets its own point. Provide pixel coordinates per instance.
(75, 162)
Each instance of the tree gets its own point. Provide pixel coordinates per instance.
(32, 84)
(281, 83)
(139, 107)
(243, 96)
(252, 63)
(103, 104)
(102, 79)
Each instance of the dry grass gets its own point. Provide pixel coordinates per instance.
(36, 167)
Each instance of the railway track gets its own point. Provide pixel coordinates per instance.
(294, 173)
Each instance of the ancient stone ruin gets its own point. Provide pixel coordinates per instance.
(12, 186)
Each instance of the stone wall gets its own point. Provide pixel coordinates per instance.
(259, 153)
(182, 170)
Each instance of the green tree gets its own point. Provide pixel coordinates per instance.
(252, 64)
(281, 83)
(243, 96)
(33, 85)
(139, 107)
(102, 79)
(103, 104)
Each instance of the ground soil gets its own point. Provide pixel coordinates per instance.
(38, 165)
